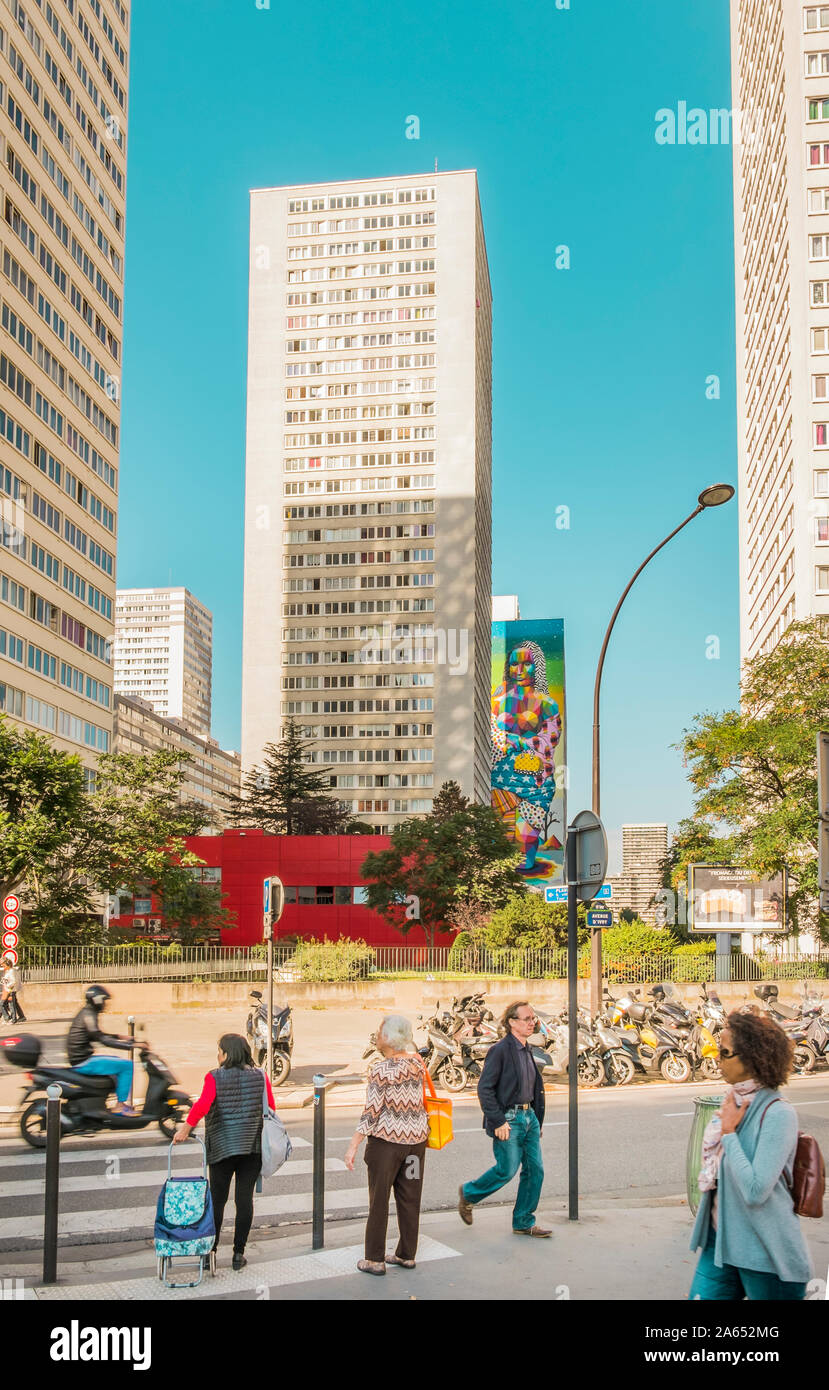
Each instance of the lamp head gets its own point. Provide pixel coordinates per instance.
(716, 495)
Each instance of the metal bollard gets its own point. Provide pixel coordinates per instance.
(318, 1183)
(321, 1085)
(50, 1223)
(131, 1031)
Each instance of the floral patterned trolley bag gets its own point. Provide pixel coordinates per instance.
(184, 1224)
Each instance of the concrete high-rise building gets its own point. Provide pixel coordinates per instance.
(643, 849)
(63, 148)
(368, 493)
(780, 76)
(211, 772)
(163, 653)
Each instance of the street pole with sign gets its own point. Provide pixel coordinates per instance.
(273, 901)
(586, 861)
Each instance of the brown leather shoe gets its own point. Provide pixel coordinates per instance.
(538, 1231)
(464, 1208)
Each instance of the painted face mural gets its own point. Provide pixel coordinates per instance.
(526, 728)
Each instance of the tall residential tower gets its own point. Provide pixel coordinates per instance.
(63, 158)
(368, 501)
(164, 653)
(780, 79)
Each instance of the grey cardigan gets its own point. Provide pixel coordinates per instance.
(756, 1224)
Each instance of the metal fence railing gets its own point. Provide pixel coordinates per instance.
(343, 961)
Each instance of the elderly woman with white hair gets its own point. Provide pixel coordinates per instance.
(396, 1128)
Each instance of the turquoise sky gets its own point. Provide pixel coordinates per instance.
(600, 370)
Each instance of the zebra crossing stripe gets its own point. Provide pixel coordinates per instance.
(138, 1222)
(68, 1154)
(296, 1269)
(88, 1182)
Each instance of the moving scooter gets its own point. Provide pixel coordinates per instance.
(83, 1108)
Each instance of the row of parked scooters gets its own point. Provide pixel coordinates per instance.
(631, 1037)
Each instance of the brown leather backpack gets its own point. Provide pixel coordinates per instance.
(808, 1182)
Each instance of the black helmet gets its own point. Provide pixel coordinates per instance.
(97, 995)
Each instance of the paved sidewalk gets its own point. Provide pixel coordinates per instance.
(613, 1252)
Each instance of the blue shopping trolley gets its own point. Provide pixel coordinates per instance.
(184, 1224)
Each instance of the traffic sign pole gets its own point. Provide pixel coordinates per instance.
(573, 1025)
(273, 900)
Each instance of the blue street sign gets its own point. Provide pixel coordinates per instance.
(266, 896)
(559, 895)
(600, 919)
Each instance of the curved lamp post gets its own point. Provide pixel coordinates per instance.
(713, 496)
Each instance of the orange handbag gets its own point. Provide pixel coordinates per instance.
(439, 1115)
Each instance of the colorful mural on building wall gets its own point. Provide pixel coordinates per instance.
(528, 742)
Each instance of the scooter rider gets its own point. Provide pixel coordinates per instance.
(85, 1030)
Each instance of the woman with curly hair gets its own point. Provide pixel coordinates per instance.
(751, 1241)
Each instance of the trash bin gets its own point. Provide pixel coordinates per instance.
(704, 1109)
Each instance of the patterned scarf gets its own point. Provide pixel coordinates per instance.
(712, 1138)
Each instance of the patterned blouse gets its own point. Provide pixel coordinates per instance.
(394, 1102)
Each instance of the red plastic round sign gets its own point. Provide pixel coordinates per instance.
(11, 903)
(9, 938)
(11, 921)
(15, 959)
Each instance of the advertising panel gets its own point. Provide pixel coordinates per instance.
(724, 898)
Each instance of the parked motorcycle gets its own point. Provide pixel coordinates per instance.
(554, 1056)
(697, 1041)
(442, 1054)
(282, 1030)
(83, 1108)
(652, 1048)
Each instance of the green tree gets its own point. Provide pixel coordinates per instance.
(434, 863)
(286, 794)
(754, 769)
(527, 922)
(193, 910)
(448, 801)
(62, 847)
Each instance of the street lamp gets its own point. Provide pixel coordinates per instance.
(713, 496)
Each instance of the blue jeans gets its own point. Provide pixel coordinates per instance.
(522, 1150)
(119, 1067)
(728, 1282)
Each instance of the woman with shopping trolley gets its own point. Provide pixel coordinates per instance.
(231, 1105)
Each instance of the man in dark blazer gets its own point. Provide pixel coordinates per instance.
(511, 1093)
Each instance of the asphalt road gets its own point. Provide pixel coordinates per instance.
(632, 1145)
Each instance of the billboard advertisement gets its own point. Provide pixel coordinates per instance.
(529, 769)
(722, 898)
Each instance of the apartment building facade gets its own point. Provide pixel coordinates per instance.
(210, 773)
(163, 653)
(368, 486)
(63, 135)
(644, 848)
(780, 77)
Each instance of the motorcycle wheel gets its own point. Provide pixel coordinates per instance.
(452, 1078)
(170, 1123)
(804, 1059)
(281, 1068)
(709, 1069)
(282, 1063)
(675, 1067)
(590, 1070)
(620, 1069)
(33, 1124)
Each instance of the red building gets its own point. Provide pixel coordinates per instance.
(324, 890)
